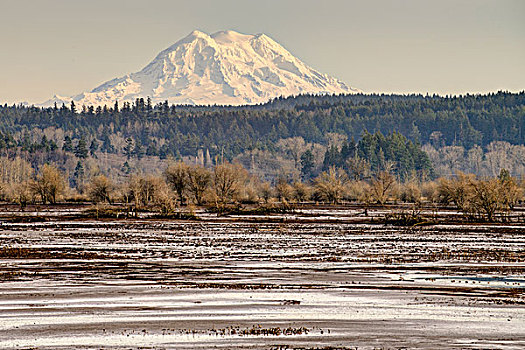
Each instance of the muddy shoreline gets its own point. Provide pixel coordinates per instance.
(317, 278)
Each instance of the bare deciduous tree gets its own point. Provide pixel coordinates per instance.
(382, 186)
(456, 190)
(49, 184)
(330, 185)
(227, 181)
(15, 170)
(21, 193)
(335, 139)
(294, 146)
(283, 189)
(143, 189)
(100, 189)
(177, 177)
(485, 197)
(481, 198)
(199, 179)
(358, 168)
(164, 198)
(510, 191)
(359, 191)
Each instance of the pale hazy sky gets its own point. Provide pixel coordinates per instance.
(446, 46)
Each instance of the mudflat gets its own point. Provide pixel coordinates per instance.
(312, 280)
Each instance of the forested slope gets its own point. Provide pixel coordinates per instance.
(139, 129)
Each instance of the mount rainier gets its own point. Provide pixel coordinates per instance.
(225, 68)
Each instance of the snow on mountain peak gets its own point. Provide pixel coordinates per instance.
(230, 36)
(226, 67)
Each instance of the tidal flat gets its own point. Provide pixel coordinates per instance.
(317, 279)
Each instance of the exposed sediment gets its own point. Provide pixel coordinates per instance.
(302, 284)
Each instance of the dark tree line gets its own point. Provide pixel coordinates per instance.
(165, 130)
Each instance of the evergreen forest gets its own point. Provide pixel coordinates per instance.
(312, 132)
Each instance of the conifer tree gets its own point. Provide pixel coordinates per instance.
(93, 148)
(78, 175)
(81, 150)
(128, 149)
(68, 144)
(307, 163)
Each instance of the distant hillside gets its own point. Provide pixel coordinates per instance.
(164, 130)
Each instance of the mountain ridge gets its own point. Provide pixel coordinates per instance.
(224, 68)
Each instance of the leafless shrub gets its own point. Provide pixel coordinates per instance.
(358, 191)
(411, 192)
(301, 191)
(265, 191)
(283, 190)
(429, 191)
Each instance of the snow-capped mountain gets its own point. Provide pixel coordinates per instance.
(226, 68)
